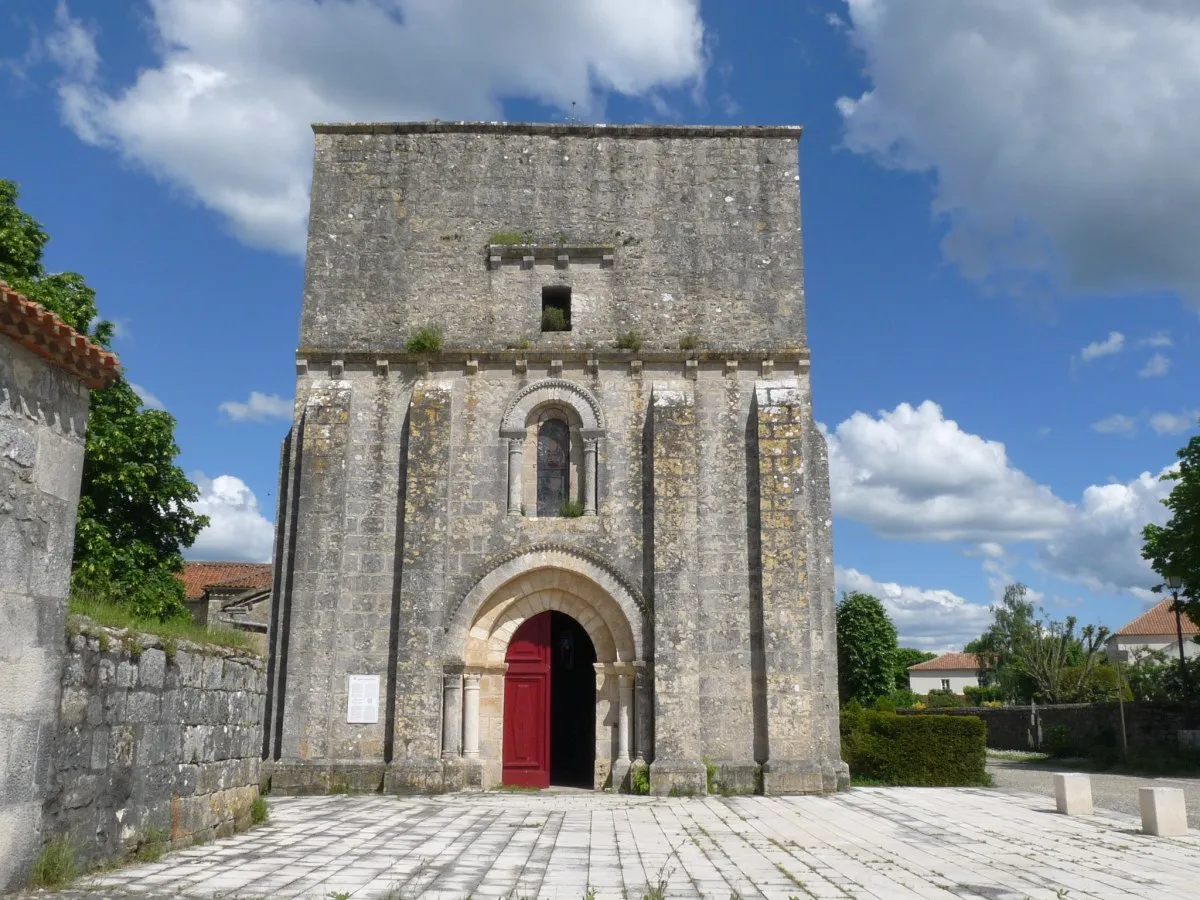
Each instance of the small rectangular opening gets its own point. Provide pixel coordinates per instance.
(556, 308)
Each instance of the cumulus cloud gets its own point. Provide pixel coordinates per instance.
(1102, 548)
(912, 474)
(237, 530)
(927, 619)
(1116, 424)
(1054, 131)
(1156, 340)
(1155, 366)
(1114, 343)
(147, 398)
(258, 408)
(224, 111)
(1174, 423)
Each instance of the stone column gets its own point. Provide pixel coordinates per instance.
(624, 710)
(452, 685)
(641, 734)
(589, 476)
(514, 475)
(471, 715)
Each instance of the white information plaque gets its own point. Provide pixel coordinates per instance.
(362, 700)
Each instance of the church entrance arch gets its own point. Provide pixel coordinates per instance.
(544, 692)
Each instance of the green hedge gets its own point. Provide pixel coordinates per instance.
(927, 750)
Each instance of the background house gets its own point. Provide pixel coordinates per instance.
(1153, 630)
(230, 595)
(948, 672)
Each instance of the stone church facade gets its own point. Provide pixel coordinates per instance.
(587, 533)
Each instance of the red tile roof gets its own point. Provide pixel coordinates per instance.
(948, 661)
(1158, 620)
(42, 332)
(198, 577)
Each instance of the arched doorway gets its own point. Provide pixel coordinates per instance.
(549, 704)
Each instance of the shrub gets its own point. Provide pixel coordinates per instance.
(571, 509)
(427, 339)
(630, 340)
(554, 319)
(939, 699)
(689, 341)
(56, 864)
(927, 750)
(981, 696)
(639, 780)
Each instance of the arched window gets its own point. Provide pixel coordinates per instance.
(553, 466)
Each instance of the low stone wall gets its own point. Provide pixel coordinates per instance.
(1147, 725)
(155, 740)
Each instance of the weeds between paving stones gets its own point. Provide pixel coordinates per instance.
(259, 812)
(56, 865)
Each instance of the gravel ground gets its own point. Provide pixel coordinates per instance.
(1115, 792)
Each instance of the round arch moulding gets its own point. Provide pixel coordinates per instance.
(513, 565)
(552, 390)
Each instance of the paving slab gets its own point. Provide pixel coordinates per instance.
(886, 843)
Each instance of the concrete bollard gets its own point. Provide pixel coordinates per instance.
(1073, 793)
(1164, 812)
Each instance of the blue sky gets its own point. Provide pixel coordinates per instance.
(998, 195)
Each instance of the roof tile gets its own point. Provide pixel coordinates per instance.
(42, 332)
(948, 661)
(1158, 620)
(198, 577)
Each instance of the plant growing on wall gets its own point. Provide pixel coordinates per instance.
(427, 339)
(135, 514)
(630, 340)
(554, 319)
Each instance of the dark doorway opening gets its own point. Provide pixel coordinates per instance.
(572, 703)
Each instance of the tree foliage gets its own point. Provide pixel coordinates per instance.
(1174, 549)
(1032, 657)
(866, 642)
(134, 510)
(905, 657)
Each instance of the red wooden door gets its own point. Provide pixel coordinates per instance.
(527, 705)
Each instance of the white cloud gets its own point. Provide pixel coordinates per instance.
(1055, 130)
(1174, 423)
(237, 530)
(146, 397)
(911, 473)
(1155, 366)
(259, 408)
(1116, 424)
(72, 45)
(225, 110)
(1102, 547)
(1156, 340)
(936, 620)
(1114, 343)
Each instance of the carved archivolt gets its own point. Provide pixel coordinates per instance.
(549, 390)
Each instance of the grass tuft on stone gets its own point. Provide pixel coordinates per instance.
(427, 339)
(113, 615)
(259, 812)
(629, 340)
(56, 864)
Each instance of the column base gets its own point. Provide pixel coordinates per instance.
(620, 775)
(678, 778)
(801, 776)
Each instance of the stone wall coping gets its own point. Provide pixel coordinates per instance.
(86, 627)
(548, 129)
(40, 331)
(781, 355)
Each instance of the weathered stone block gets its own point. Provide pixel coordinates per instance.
(1164, 811)
(1073, 793)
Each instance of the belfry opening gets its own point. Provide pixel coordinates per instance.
(549, 704)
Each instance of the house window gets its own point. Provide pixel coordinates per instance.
(556, 308)
(945, 684)
(553, 466)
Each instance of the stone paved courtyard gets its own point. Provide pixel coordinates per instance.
(886, 843)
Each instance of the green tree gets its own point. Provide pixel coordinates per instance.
(1013, 625)
(134, 510)
(905, 657)
(1174, 549)
(866, 643)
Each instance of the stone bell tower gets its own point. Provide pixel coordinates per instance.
(553, 507)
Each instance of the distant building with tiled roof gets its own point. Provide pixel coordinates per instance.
(948, 672)
(1153, 630)
(230, 594)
